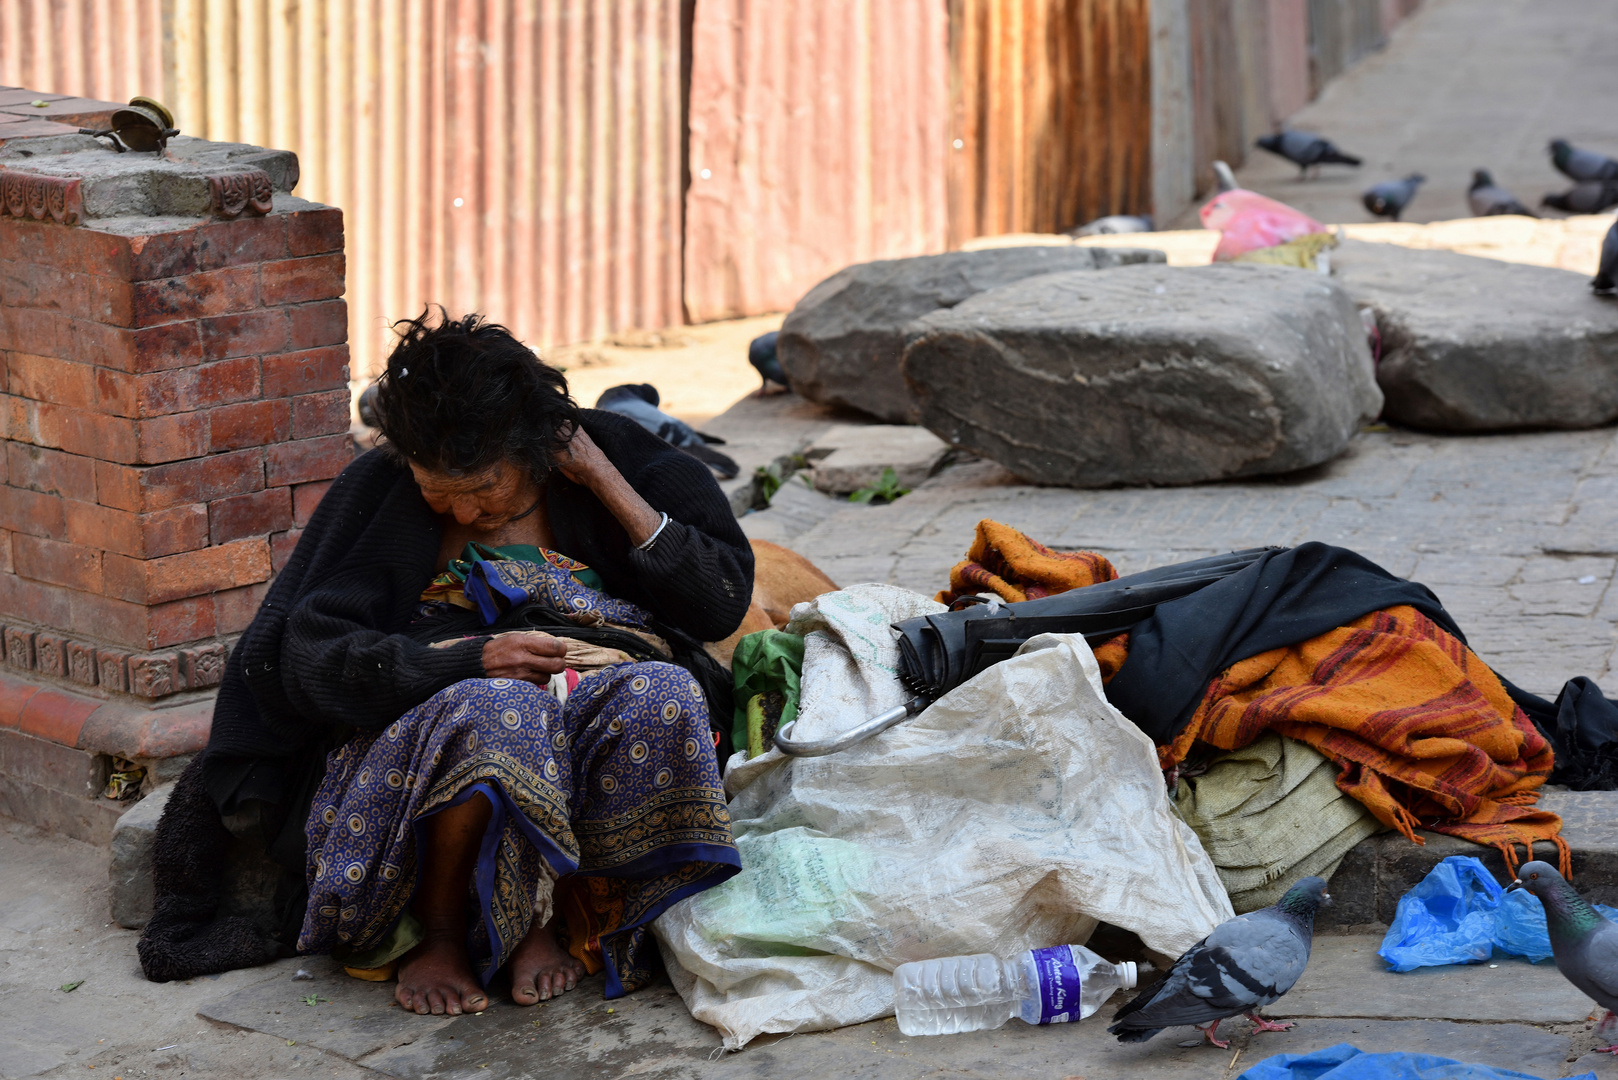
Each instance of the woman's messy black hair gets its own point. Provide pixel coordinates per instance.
(463, 395)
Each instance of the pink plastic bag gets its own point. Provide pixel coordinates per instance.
(1249, 221)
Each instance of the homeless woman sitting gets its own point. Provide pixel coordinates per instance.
(486, 796)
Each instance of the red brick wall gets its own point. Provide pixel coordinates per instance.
(173, 406)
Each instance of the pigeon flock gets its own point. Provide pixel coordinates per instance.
(1594, 176)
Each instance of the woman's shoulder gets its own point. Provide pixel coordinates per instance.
(363, 486)
(627, 445)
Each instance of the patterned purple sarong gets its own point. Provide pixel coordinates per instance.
(618, 786)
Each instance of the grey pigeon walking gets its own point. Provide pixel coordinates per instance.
(639, 402)
(1584, 943)
(1246, 963)
(1488, 198)
(1605, 283)
(1389, 198)
(1587, 197)
(1306, 150)
(762, 355)
(1114, 225)
(1582, 165)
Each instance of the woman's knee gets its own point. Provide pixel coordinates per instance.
(511, 704)
(667, 690)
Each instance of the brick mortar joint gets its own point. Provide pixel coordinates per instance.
(79, 664)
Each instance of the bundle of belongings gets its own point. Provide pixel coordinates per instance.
(1295, 701)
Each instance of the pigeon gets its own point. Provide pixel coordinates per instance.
(1581, 165)
(639, 402)
(761, 354)
(1585, 197)
(1605, 283)
(1306, 150)
(1246, 963)
(1584, 943)
(1488, 198)
(1389, 198)
(367, 406)
(1114, 224)
(1225, 178)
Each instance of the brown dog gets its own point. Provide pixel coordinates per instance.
(781, 579)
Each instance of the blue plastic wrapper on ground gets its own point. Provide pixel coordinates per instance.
(1458, 914)
(1346, 1062)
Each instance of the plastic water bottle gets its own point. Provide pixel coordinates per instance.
(982, 992)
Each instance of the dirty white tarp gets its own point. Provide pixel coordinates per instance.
(1015, 813)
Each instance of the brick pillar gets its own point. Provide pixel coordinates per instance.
(175, 373)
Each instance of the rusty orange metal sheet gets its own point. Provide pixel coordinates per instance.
(1052, 113)
(521, 158)
(819, 138)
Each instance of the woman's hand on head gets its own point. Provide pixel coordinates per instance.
(525, 654)
(582, 460)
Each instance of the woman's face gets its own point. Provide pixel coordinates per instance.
(483, 501)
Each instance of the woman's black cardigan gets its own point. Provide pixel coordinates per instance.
(327, 653)
(327, 647)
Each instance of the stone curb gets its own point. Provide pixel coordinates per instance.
(1378, 871)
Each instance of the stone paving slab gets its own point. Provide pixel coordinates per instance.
(1347, 979)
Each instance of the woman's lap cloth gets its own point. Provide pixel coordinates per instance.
(618, 786)
(1423, 732)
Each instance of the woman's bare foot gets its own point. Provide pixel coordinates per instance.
(541, 968)
(436, 977)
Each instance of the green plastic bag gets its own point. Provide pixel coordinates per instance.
(765, 661)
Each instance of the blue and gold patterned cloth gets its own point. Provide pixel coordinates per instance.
(615, 791)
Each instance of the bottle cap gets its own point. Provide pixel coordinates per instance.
(1126, 971)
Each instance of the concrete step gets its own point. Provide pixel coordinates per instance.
(1378, 871)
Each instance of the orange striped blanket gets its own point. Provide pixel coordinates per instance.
(1423, 732)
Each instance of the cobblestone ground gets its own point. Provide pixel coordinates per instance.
(1462, 85)
(1517, 534)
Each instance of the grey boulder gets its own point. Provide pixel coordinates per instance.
(1473, 344)
(842, 343)
(1147, 374)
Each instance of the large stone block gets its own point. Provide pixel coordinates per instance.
(842, 343)
(130, 868)
(1147, 374)
(1472, 344)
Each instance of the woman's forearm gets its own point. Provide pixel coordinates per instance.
(634, 513)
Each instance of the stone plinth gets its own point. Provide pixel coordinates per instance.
(173, 403)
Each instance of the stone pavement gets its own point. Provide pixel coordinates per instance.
(1517, 534)
(262, 1024)
(1462, 85)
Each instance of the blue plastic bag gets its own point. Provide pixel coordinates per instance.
(1458, 914)
(1346, 1062)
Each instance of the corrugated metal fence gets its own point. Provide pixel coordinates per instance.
(524, 157)
(1051, 113)
(818, 139)
(517, 157)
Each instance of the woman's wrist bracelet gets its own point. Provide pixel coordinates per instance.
(646, 544)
